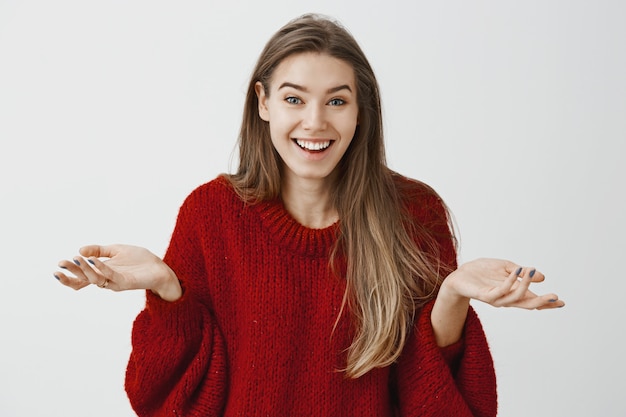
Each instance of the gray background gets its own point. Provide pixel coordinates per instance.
(111, 112)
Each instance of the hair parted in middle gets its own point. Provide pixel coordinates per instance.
(388, 276)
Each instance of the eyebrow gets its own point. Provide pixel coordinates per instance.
(304, 89)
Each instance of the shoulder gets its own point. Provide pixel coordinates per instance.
(209, 208)
(216, 190)
(211, 198)
(428, 219)
(419, 198)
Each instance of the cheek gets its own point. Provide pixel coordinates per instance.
(275, 135)
(280, 134)
(282, 123)
(348, 126)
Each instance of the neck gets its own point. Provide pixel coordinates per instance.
(309, 202)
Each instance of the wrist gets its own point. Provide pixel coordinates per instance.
(448, 293)
(168, 288)
(448, 314)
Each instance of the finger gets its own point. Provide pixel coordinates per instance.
(93, 276)
(550, 301)
(511, 282)
(538, 276)
(535, 275)
(532, 301)
(75, 269)
(108, 273)
(71, 282)
(99, 251)
(527, 276)
(502, 288)
(519, 295)
(511, 267)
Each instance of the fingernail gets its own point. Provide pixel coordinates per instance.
(90, 261)
(519, 271)
(552, 300)
(76, 262)
(61, 266)
(57, 277)
(532, 273)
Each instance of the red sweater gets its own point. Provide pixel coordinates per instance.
(252, 334)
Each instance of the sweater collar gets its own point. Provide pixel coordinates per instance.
(296, 238)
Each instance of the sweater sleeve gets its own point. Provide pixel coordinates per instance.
(457, 380)
(178, 361)
(429, 386)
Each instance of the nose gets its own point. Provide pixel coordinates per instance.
(314, 118)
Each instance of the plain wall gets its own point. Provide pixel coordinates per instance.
(111, 112)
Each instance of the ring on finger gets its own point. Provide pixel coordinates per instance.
(104, 284)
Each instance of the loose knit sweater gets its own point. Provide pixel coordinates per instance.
(254, 332)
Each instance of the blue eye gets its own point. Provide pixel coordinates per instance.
(336, 102)
(293, 100)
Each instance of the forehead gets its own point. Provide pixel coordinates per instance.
(313, 70)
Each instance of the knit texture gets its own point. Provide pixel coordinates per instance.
(253, 335)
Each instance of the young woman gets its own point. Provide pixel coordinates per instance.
(314, 280)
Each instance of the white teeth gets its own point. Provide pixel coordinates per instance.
(313, 146)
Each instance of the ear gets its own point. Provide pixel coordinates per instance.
(264, 112)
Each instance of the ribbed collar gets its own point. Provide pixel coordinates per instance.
(296, 238)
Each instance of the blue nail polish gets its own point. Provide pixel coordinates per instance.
(519, 271)
(90, 261)
(61, 266)
(76, 262)
(57, 277)
(532, 273)
(552, 300)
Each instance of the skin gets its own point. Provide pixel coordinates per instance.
(125, 268)
(312, 99)
(497, 282)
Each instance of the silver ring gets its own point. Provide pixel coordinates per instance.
(104, 284)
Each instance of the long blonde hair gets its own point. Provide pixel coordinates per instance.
(388, 276)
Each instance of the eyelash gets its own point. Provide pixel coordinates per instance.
(295, 100)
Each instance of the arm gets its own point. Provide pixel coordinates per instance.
(178, 362)
(446, 367)
(496, 282)
(429, 386)
(458, 379)
(127, 268)
(493, 281)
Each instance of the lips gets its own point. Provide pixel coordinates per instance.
(313, 145)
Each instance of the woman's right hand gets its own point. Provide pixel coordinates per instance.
(125, 268)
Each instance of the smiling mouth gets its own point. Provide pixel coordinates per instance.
(313, 146)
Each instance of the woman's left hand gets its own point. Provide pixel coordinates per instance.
(499, 283)
(494, 281)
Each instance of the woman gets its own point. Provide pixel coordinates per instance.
(311, 281)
